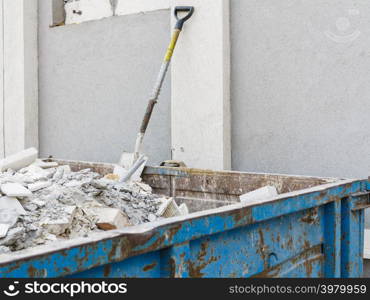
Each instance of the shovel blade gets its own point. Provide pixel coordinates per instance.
(127, 160)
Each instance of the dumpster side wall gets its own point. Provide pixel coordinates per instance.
(316, 233)
(95, 79)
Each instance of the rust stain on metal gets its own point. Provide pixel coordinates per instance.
(290, 243)
(242, 216)
(64, 253)
(303, 259)
(32, 272)
(149, 267)
(311, 217)
(278, 238)
(107, 270)
(158, 244)
(306, 244)
(172, 266)
(173, 230)
(14, 267)
(122, 247)
(308, 266)
(196, 268)
(262, 249)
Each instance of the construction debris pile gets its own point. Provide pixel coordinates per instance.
(44, 202)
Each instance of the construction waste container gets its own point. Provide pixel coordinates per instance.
(314, 228)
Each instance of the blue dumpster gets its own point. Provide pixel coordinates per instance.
(314, 228)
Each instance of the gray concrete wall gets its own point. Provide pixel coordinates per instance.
(300, 87)
(94, 81)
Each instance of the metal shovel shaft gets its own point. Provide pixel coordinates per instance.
(161, 76)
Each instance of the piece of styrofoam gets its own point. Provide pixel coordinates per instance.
(19, 160)
(259, 194)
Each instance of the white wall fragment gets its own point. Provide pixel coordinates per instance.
(111, 218)
(15, 190)
(12, 203)
(263, 193)
(33, 187)
(4, 230)
(78, 11)
(8, 218)
(19, 160)
(126, 7)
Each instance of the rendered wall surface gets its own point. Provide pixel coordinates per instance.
(300, 87)
(94, 81)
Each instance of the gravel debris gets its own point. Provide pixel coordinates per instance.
(61, 204)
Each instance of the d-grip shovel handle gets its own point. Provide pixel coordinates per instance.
(181, 21)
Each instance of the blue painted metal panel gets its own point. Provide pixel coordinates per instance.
(144, 266)
(310, 234)
(250, 251)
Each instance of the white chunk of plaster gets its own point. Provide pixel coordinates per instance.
(19, 160)
(111, 218)
(39, 203)
(12, 203)
(259, 194)
(39, 185)
(9, 216)
(4, 230)
(15, 190)
(44, 165)
(79, 11)
(59, 226)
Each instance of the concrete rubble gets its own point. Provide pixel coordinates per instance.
(111, 218)
(43, 202)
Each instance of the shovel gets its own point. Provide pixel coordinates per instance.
(134, 163)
